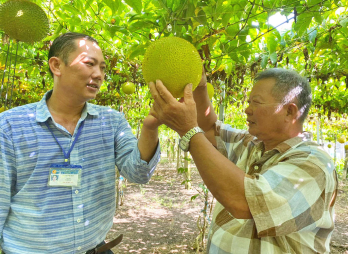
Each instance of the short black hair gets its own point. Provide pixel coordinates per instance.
(290, 87)
(64, 44)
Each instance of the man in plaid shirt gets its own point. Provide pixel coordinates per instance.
(275, 188)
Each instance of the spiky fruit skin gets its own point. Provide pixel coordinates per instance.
(23, 20)
(128, 87)
(175, 62)
(210, 90)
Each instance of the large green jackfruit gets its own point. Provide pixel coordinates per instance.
(23, 20)
(175, 61)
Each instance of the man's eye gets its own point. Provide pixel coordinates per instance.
(89, 63)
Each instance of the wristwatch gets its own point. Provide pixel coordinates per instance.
(184, 142)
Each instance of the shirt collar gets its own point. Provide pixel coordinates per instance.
(287, 144)
(43, 114)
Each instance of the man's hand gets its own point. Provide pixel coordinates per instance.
(181, 116)
(151, 122)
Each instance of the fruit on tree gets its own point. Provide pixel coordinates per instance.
(210, 90)
(346, 147)
(2, 109)
(128, 87)
(342, 139)
(175, 62)
(329, 145)
(23, 20)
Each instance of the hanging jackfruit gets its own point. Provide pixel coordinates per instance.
(23, 20)
(174, 61)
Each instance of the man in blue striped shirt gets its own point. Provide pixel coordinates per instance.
(65, 136)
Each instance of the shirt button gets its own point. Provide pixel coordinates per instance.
(76, 192)
(256, 167)
(78, 220)
(79, 248)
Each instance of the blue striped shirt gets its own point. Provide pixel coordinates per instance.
(36, 218)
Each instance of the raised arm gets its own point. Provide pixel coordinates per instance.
(148, 139)
(223, 178)
(206, 116)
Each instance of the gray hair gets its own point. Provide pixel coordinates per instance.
(290, 87)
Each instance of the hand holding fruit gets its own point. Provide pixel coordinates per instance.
(181, 116)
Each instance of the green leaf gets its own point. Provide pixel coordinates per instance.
(136, 51)
(182, 170)
(121, 29)
(312, 35)
(136, 26)
(244, 51)
(135, 4)
(344, 22)
(314, 2)
(190, 11)
(170, 4)
(271, 43)
(226, 16)
(201, 17)
(187, 159)
(264, 61)
(318, 18)
(194, 197)
(112, 4)
(243, 34)
(303, 23)
(273, 57)
(232, 31)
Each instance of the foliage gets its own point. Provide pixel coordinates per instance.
(234, 38)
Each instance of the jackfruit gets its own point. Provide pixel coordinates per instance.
(175, 62)
(342, 139)
(23, 20)
(128, 87)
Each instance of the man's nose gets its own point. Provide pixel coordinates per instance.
(248, 110)
(98, 73)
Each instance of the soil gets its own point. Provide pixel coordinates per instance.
(159, 217)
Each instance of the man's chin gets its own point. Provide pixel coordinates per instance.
(251, 131)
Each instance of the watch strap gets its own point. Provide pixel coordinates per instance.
(192, 132)
(187, 137)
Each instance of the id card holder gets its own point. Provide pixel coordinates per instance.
(64, 175)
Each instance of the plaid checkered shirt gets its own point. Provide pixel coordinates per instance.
(291, 193)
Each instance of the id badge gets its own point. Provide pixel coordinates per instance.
(64, 175)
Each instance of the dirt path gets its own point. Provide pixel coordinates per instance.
(339, 242)
(160, 217)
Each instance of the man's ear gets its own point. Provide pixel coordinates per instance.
(292, 112)
(55, 65)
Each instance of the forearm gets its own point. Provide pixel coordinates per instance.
(147, 143)
(222, 177)
(206, 116)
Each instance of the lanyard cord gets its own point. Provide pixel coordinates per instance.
(67, 155)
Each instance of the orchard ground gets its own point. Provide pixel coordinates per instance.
(159, 217)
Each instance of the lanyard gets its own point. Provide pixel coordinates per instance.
(67, 155)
